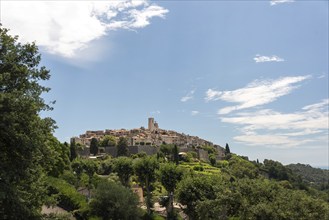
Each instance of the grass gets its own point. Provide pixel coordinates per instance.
(200, 167)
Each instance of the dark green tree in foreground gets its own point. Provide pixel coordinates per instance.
(113, 201)
(94, 146)
(23, 132)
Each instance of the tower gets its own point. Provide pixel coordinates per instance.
(151, 124)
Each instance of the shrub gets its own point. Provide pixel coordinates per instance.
(68, 198)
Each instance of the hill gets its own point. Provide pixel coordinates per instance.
(316, 177)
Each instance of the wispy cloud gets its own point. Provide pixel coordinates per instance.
(155, 112)
(323, 75)
(276, 2)
(272, 128)
(261, 59)
(278, 141)
(257, 93)
(188, 96)
(193, 113)
(317, 106)
(66, 27)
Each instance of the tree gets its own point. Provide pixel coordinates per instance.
(122, 147)
(23, 132)
(276, 170)
(124, 168)
(105, 167)
(90, 167)
(227, 149)
(108, 141)
(212, 159)
(175, 155)
(94, 146)
(241, 168)
(170, 152)
(113, 201)
(170, 175)
(145, 168)
(56, 157)
(192, 190)
(73, 150)
(166, 150)
(77, 167)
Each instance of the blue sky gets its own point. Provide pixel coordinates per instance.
(253, 74)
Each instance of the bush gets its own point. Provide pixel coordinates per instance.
(69, 177)
(68, 198)
(198, 168)
(114, 201)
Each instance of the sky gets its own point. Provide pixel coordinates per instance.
(253, 74)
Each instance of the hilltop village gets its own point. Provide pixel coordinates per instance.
(147, 140)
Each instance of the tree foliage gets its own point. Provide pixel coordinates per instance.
(193, 189)
(56, 157)
(242, 168)
(122, 147)
(73, 150)
(94, 146)
(260, 199)
(145, 168)
(170, 152)
(170, 175)
(124, 168)
(24, 134)
(227, 149)
(108, 141)
(68, 198)
(113, 201)
(314, 176)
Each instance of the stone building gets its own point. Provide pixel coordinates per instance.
(149, 140)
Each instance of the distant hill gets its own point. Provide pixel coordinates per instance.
(314, 176)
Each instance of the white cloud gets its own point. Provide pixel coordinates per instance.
(193, 113)
(272, 120)
(257, 93)
(188, 96)
(262, 59)
(283, 129)
(317, 106)
(270, 140)
(276, 2)
(67, 27)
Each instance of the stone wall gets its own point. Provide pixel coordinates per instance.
(83, 152)
(203, 155)
(149, 150)
(111, 151)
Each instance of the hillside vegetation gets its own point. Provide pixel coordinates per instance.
(315, 177)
